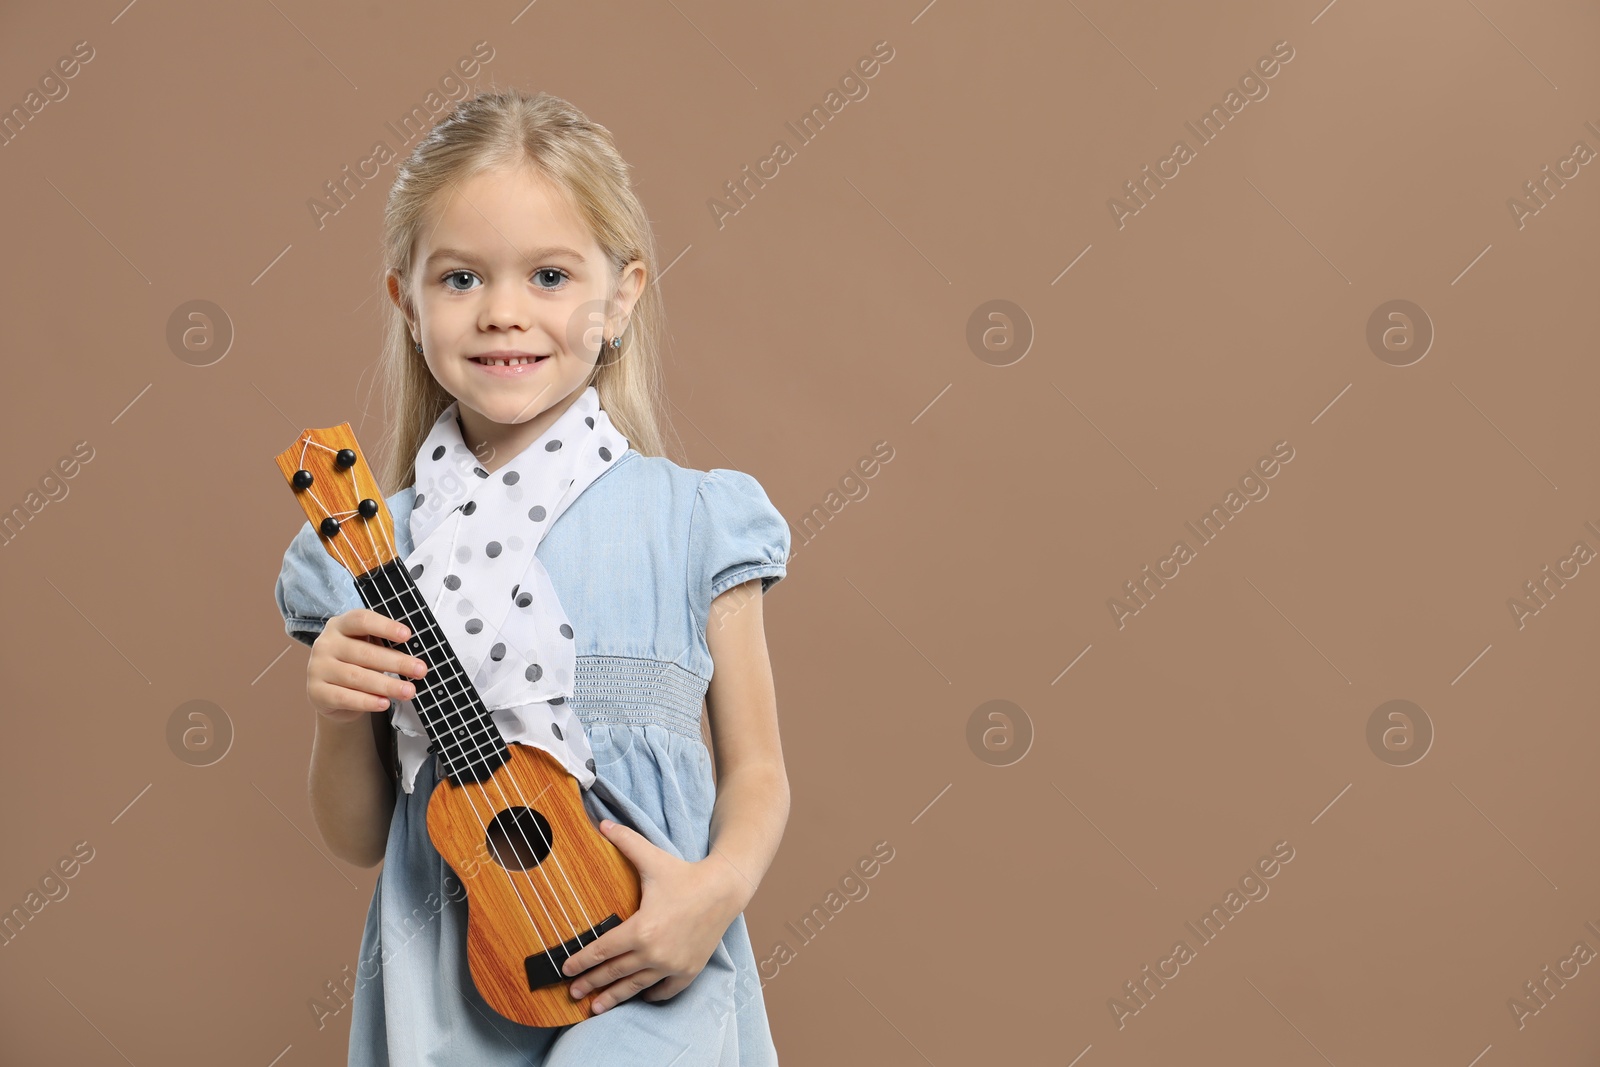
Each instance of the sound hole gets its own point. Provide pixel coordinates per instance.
(518, 838)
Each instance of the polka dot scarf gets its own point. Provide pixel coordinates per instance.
(474, 535)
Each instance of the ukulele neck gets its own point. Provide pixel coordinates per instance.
(459, 727)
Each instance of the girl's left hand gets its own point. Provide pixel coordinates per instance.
(684, 909)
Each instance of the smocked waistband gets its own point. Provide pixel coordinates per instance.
(637, 692)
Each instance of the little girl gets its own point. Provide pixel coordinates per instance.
(521, 368)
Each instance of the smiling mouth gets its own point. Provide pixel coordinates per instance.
(517, 362)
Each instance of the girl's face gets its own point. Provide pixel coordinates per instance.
(504, 269)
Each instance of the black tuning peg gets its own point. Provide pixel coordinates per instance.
(302, 479)
(368, 508)
(330, 526)
(345, 459)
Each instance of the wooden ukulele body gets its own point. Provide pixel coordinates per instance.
(528, 912)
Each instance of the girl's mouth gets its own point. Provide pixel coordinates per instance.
(510, 365)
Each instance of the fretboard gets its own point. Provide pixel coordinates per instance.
(458, 724)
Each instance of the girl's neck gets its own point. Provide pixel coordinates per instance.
(495, 444)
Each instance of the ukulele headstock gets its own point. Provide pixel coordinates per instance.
(340, 495)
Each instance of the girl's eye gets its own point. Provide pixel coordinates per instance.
(555, 276)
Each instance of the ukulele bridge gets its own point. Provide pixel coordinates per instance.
(544, 968)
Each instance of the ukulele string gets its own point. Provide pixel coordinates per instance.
(549, 846)
(550, 852)
(386, 602)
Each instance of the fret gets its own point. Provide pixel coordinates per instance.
(452, 713)
(452, 721)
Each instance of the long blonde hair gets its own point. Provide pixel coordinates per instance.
(562, 145)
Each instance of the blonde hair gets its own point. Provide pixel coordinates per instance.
(563, 146)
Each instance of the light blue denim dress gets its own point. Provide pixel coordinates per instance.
(636, 561)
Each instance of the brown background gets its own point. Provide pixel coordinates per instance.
(830, 313)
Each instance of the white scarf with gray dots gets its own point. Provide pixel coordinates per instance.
(474, 535)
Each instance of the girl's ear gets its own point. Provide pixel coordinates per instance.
(631, 285)
(397, 293)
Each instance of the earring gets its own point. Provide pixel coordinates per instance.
(418, 346)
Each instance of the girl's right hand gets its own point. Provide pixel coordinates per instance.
(345, 679)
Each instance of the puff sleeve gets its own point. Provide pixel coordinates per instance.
(311, 588)
(735, 534)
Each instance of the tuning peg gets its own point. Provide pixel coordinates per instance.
(302, 479)
(368, 508)
(345, 459)
(330, 526)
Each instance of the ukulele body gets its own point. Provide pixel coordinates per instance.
(541, 883)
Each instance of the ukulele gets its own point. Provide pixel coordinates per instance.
(541, 881)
